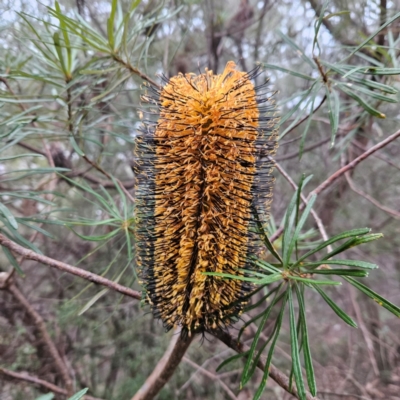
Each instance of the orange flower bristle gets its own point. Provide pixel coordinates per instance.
(205, 164)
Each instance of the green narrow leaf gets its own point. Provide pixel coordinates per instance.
(230, 359)
(7, 214)
(298, 376)
(287, 229)
(296, 48)
(264, 236)
(292, 110)
(57, 45)
(93, 300)
(110, 89)
(289, 220)
(347, 272)
(367, 238)
(307, 127)
(307, 351)
(300, 225)
(294, 73)
(353, 243)
(134, 4)
(66, 39)
(333, 239)
(19, 156)
(249, 362)
(374, 85)
(374, 94)
(13, 261)
(349, 263)
(268, 279)
(265, 265)
(313, 281)
(259, 302)
(37, 228)
(268, 362)
(110, 24)
(96, 238)
(122, 197)
(75, 146)
(333, 110)
(48, 396)
(367, 107)
(79, 395)
(337, 310)
(318, 24)
(374, 296)
(258, 316)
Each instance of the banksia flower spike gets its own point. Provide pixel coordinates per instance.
(203, 167)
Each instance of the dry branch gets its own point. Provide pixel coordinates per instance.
(31, 255)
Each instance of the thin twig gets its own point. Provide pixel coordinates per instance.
(136, 71)
(165, 367)
(41, 326)
(31, 148)
(212, 376)
(31, 255)
(376, 203)
(296, 153)
(24, 376)
(361, 147)
(328, 182)
(203, 365)
(364, 330)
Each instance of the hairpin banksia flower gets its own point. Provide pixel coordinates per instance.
(204, 165)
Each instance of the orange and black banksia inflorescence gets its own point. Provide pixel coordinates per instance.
(203, 167)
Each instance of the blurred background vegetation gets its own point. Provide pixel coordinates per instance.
(71, 76)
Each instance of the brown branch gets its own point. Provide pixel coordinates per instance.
(279, 377)
(328, 182)
(31, 148)
(165, 367)
(41, 327)
(24, 376)
(382, 17)
(31, 255)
